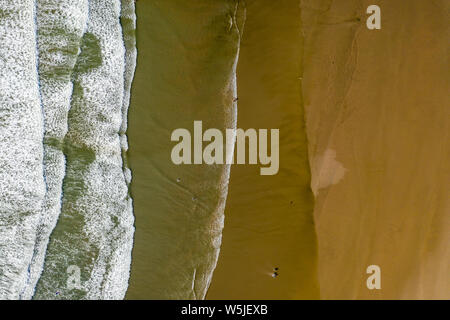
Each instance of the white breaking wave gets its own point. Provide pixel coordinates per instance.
(22, 187)
(61, 24)
(72, 140)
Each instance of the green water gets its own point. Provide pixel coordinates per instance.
(186, 59)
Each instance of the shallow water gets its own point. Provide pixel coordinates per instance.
(186, 72)
(185, 61)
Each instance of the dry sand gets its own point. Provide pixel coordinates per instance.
(377, 110)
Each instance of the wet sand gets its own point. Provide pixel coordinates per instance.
(269, 219)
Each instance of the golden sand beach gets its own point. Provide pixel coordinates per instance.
(377, 110)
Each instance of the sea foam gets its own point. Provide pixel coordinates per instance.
(22, 186)
(95, 229)
(67, 68)
(61, 24)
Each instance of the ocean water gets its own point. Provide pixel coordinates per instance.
(60, 27)
(67, 68)
(188, 53)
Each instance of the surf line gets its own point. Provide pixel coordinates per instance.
(213, 153)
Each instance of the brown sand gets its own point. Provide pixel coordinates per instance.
(377, 109)
(268, 219)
